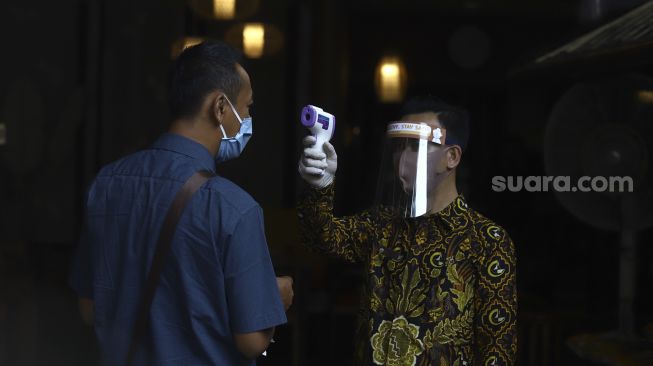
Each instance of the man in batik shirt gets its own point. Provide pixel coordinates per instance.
(441, 284)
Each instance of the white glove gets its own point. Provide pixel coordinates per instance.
(316, 167)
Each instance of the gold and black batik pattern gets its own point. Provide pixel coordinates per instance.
(440, 289)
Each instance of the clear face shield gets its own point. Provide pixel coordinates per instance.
(412, 168)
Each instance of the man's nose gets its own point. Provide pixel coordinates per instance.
(402, 163)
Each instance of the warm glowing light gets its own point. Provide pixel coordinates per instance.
(390, 72)
(224, 9)
(645, 96)
(391, 79)
(253, 40)
(183, 43)
(191, 41)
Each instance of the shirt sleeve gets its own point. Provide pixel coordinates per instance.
(81, 273)
(496, 300)
(345, 237)
(251, 287)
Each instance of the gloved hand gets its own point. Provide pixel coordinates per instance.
(318, 168)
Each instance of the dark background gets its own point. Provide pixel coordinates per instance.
(83, 82)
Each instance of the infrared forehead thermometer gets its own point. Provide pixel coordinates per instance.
(320, 123)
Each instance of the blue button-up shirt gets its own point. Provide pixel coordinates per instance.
(217, 280)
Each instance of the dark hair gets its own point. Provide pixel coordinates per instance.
(454, 119)
(200, 70)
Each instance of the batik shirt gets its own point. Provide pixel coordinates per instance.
(440, 288)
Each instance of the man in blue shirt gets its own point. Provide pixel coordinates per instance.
(217, 301)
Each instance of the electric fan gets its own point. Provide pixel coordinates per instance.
(604, 128)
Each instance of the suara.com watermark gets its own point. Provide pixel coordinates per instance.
(534, 183)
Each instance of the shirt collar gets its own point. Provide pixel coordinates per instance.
(183, 145)
(451, 214)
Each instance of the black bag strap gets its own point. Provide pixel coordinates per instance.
(161, 252)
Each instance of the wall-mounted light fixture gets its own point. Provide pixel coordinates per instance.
(253, 40)
(390, 79)
(223, 9)
(256, 40)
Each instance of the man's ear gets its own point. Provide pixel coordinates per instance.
(218, 107)
(454, 154)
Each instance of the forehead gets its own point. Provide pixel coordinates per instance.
(429, 117)
(245, 83)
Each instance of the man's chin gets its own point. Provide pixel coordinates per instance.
(408, 188)
(407, 184)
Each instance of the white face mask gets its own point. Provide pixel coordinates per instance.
(232, 147)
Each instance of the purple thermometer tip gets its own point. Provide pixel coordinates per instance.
(309, 116)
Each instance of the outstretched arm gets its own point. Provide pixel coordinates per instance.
(344, 237)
